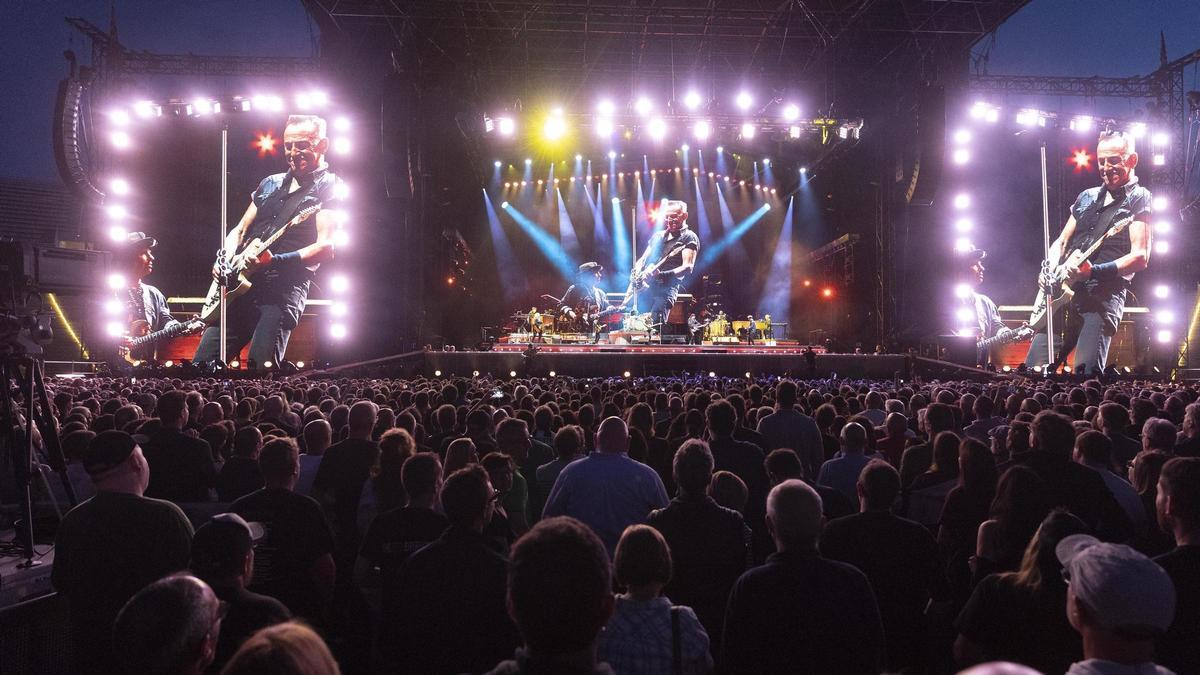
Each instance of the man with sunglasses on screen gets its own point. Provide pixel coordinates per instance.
(267, 314)
(1100, 281)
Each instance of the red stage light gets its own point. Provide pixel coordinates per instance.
(1082, 159)
(265, 143)
(807, 283)
(827, 292)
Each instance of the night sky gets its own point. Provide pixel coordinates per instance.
(1063, 37)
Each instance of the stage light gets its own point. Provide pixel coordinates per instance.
(604, 127)
(1037, 369)
(827, 292)
(1006, 369)
(1159, 159)
(1067, 370)
(625, 374)
(961, 156)
(747, 375)
(1161, 247)
(116, 281)
(962, 136)
(1165, 317)
(657, 128)
(114, 328)
(300, 364)
(965, 332)
(612, 154)
(1082, 159)
(1164, 336)
(528, 161)
(202, 106)
(1161, 291)
(1160, 139)
(274, 103)
(685, 147)
(1137, 129)
(119, 186)
(341, 238)
(144, 109)
(606, 108)
(712, 374)
(506, 126)
(803, 170)
(791, 112)
(339, 284)
(553, 374)
(339, 308)
(578, 158)
(748, 130)
(113, 307)
(772, 190)
(1160, 203)
(711, 174)
(691, 100)
(318, 97)
(741, 183)
(1162, 227)
(807, 283)
(554, 128)
(962, 200)
(743, 100)
(120, 140)
(962, 291)
(338, 331)
(259, 101)
(117, 233)
(512, 373)
(992, 115)
(766, 161)
(793, 132)
(1081, 123)
(1031, 117)
(117, 212)
(341, 124)
(504, 205)
(963, 225)
(962, 245)
(964, 314)
(235, 364)
(341, 191)
(119, 117)
(341, 146)
(643, 106)
(616, 200)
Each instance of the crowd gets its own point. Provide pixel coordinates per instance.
(653, 525)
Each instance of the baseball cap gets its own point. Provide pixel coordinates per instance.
(223, 542)
(108, 449)
(1128, 592)
(139, 240)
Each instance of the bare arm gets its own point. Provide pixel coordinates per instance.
(322, 249)
(688, 263)
(1139, 252)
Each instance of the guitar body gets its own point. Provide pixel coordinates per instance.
(1062, 292)
(1037, 320)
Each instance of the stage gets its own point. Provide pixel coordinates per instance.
(650, 360)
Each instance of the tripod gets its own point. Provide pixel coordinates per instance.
(24, 375)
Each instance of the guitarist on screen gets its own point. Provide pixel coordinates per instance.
(986, 325)
(1100, 281)
(267, 314)
(147, 306)
(669, 257)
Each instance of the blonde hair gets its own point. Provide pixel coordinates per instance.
(288, 647)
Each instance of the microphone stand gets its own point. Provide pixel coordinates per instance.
(1048, 290)
(223, 282)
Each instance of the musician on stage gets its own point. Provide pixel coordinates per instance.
(1100, 282)
(671, 253)
(267, 314)
(585, 298)
(751, 329)
(987, 323)
(535, 324)
(133, 256)
(695, 329)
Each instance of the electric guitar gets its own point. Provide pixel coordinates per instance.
(1004, 337)
(232, 270)
(142, 337)
(1061, 292)
(640, 278)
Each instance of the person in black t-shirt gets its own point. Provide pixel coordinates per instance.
(240, 475)
(1178, 507)
(267, 314)
(182, 468)
(394, 535)
(1100, 282)
(294, 561)
(344, 470)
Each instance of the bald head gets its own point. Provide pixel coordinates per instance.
(613, 436)
(794, 515)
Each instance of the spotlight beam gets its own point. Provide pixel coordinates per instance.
(545, 243)
(512, 281)
(777, 290)
(712, 253)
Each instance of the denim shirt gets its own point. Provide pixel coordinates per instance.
(268, 199)
(1136, 202)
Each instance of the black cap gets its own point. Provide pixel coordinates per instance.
(108, 449)
(223, 542)
(138, 240)
(591, 268)
(972, 254)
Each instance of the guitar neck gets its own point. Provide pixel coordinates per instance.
(1116, 227)
(170, 331)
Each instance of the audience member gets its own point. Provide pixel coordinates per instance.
(170, 627)
(709, 544)
(294, 561)
(917, 459)
(1018, 616)
(560, 595)
(1019, 507)
(1159, 434)
(966, 507)
(318, 436)
(743, 459)
(240, 475)
(841, 473)
(114, 544)
(783, 464)
(729, 491)
(460, 453)
(646, 632)
(1188, 443)
(568, 447)
(1144, 472)
(899, 557)
(801, 612)
(1114, 420)
(1178, 513)
(607, 490)
(181, 466)
(787, 427)
(223, 557)
(344, 470)
(1094, 450)
(448, 613)
(1119, 601)
(285, 648)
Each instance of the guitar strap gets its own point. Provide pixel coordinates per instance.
(289, 204)
(1099, 217)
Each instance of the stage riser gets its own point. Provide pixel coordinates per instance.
(604, 364)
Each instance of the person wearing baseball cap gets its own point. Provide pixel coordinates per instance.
(134, 261)
(114, 544)
(1119, 601)
(223, 556)
(980, 317)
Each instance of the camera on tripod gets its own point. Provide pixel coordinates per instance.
(24, 331)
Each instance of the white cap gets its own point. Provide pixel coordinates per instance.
(1127, 591)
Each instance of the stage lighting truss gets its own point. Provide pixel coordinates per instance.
(121, 125)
